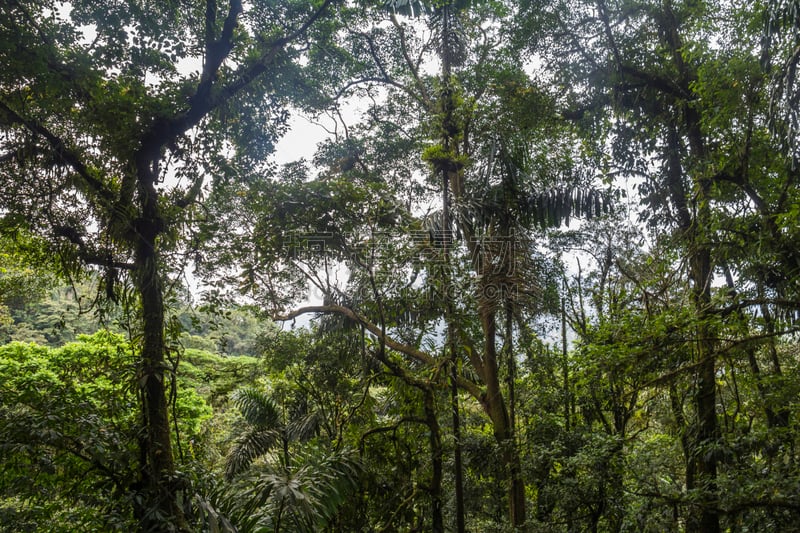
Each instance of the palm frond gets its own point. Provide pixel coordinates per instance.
(449, 36)
(409, 8)
(257, 408)
(250, 447)
(211, 517)
(327, 481)
(308, 495)
(555, 207)
(304, 427)
(448, 31)
(249, 503)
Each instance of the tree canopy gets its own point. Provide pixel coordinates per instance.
(547, 274)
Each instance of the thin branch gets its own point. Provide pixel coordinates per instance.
(603, 13)
(410, 351)
(778, 302)
(375, 79)
(665, 378)
(653, 81)
(9, 156)
(211, 23)
(412, 67)
(217, 50)
(73, 236)
(386, 78)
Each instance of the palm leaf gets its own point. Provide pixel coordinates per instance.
(304, 427)
(250, 447)
(449, 35)
(257, 408)
(212, 519)
(307, 496)
(448, 31)
(326, 482)
(409, 8)
(556, 206)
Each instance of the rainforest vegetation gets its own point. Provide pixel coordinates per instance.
(541, 273)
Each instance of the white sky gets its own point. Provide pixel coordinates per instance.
(300, 141)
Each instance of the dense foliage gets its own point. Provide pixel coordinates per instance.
(553, 260)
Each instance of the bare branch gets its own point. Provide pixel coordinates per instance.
(9, 156)
(412, 67)
(376, 79)
(74, 236)
(777, 302)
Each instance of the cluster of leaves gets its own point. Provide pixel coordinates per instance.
(68, 432)
(69, 429)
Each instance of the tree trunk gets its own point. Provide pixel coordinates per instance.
(435, 489)
(493, 401)
(704, 519)
(451, 345)
(459, 469)
(782, 413)
(501, 424)
(701, 473)
(158, 474)
(565, 366)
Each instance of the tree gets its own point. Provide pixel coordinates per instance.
(681, 99)
(485, 127)
(113, 118)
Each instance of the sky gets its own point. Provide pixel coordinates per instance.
(301, 140)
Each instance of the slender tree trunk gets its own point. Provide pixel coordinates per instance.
(511, 368)
(704, 519)
(517, 485)
(701, 469)
(458, 466)
(494, 402)
(782, 413)
(773, 420)
(451, 344)
(752, 350)
(279, 517)
(435, 436)
(565, 366)
(501, 423)
(161, 503)
(158, 452)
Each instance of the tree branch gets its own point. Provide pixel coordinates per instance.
(653, 81)
(423, 97)
(73, 236)
(410, 351)
(375, 79)
(668, 376)
(67, 156)
(165, 130)
(777, 302)
(217, 50)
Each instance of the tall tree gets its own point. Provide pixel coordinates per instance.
(114, 117)
(685, 97)
(483, 129)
